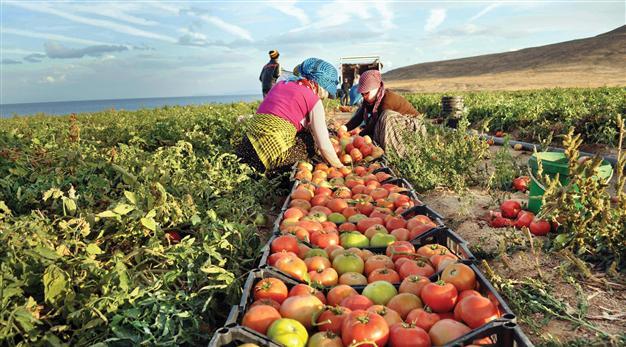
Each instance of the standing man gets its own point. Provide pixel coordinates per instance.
(345, 88)
(270, 73)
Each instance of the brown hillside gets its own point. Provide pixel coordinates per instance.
(589, 62)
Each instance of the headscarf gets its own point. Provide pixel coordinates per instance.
(320, 72)
(370, 80)
(274, 54)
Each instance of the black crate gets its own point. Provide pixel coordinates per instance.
(236, 335)
(424, 210)
(507, 334)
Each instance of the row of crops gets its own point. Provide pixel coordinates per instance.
(356, 259)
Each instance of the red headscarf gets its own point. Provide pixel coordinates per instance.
(370, 80)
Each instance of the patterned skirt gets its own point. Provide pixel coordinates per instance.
(391, 127)
(272, 144)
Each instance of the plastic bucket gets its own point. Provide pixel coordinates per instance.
(555, 163)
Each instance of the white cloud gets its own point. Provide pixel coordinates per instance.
(15, 51)
(122, 28)
(289, 8)
(376, 16)
(228, 27)
(53, 78)
(117, 10)
(484, 11)
(436, 17)
(51, 37)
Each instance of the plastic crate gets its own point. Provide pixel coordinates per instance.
(236, 335)
(499, 334)
(425, 210)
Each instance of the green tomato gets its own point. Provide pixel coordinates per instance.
(354, 239)
(288, 332)
(382, 240)
(355, 218)
(348, 262)
(337, 218)
(315, 252)
(380, 292)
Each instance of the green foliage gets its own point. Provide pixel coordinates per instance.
(594, 227)
(85, 203)
(442, 158)
(535, 114)
(505, 168)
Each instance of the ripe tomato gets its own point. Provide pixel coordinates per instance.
(304, 289)
(521, 183)
(423, 318)
(408, 335)
(317, 262)
(356, 302)
(438, 258)
(477, 311)
(268, 302)
(260, 317)
(510, 209)
(292, 266)
(323, 239)
(447, 330)
(401, 234)
(324, 277)
(376, 262)
(524, 218)
(332, 318)
(173, 237)
(419, 267)
(338, 293)
(353, 279)
(383, 274)
(361, 326)
(324, 339)
(420, 229)
(301, 308)
(391, 317)
(273, 258)
(404, 303)
(540, 227)
(432, 249)
(439, 296)
(459, 275)
(501, 222)
(413, 284)
(287, 243)
(400, 249)
(270, 288)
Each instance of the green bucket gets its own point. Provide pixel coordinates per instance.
(554, 163)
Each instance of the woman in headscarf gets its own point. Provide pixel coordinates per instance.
(277, 137)
(386, 114)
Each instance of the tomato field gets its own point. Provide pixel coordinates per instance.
(123, 228)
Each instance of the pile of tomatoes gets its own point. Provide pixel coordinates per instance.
(352, 148)
(351, 207)
(511, 214)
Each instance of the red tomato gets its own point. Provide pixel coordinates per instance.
(356, 302)
(324, 277)
(459, 275)
(303, 289)
(501, 222)
(420, 267)
(317, 262)
(413, 284)
(323, 238)
(376, 262)
(439, 296)
(332, 318)
(521, 183)
(383, 274)
(432, 249)
(287, 243)
(447, 330)
(260, 317)
(361, 326)
(404, 303)
(301, 308)
(524, 218)
(292, 266)
(173, 237)
(391, 317)
(338, 293)
(540, 227)
(268, 302)
(423, 318)
(273, 258)
(400, 249)
(408, 335)
(510, 209)
(270, 288)
(477, 311)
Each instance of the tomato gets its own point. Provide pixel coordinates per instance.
(408, 335)
(510, 209)
(332, 318)
(299, 232)
(353, 279)
(348, 262)
(173, 237)
(330, 249)
(301, 193)
(337, 204)
(401, 234)
(540, 227)
(436, 259)
(404, 303)
(305, 289)
(420, 267)
(400, 249)
(395, 223)
(325, 339)
(524, 218)
(447, 330)
(292, 266)
(317, 262)
(413, 284)
(288, 332)
(324, 238)
(420, 229)
(391, 317)
(268, 302)
(356, 302)
(376, 262)
(301, 308)
(273, 258)
(383, 274)
(260, 317)
(459, 275)
(432, 249)
(476, 311)
(423, 318)
(288, 243)
(380, 292)
(338, 293)
(270, 288)
(325, 277)
(354, 239)
(440, 296)
(361, 326)
(366, 223)
(501, 222)
(521, 183)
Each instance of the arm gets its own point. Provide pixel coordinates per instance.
(357, 119)
(320, 135)
(277, 71)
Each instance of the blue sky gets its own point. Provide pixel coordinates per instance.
(80, 50)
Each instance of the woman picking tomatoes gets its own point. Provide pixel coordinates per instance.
(385, 113)
(277, 136)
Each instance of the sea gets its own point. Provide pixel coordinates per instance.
(67, 107)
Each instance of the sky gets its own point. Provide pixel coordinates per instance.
(86, 50)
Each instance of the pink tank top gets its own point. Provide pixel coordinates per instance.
(290, 101)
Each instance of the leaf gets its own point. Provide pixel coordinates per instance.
(107, 214)
(69, 204)
(148, 223)
(54, 281)
(131, 197)
(47, 253)
(123, 209)
(195, 220)
(93, 249)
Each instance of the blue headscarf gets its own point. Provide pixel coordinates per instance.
(320, 71)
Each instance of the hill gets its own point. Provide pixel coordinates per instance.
(589, 62)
